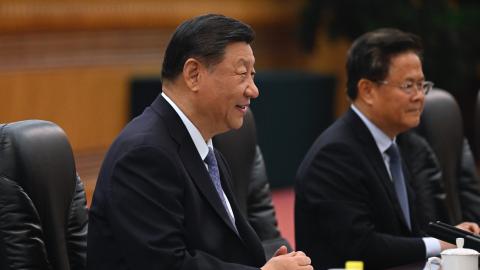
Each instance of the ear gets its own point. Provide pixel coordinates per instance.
(366, 91)
(191, 73)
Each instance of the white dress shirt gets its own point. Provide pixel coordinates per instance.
(200, 144)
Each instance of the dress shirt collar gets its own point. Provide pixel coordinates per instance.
(381, 139)
(200, 144)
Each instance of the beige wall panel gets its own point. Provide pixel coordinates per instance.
(70, 62)
(47, 15)
(90, 104)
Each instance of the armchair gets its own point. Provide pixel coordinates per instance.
(43, 214)
(441, 125)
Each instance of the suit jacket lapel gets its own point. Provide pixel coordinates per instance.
(197, 171)
(190, 157)
(371, 149)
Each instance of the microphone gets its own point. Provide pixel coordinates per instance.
(449, 233)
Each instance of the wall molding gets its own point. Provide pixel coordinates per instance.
(26, 51)
(58, 15)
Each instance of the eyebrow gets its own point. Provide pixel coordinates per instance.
(414, 79)
(244, 61)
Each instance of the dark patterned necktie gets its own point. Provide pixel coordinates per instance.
(399, 181)
(215, 176)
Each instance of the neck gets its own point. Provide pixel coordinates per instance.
(187, 106)
(375, 119)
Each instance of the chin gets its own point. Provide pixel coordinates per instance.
(412, 124)
(238, 123)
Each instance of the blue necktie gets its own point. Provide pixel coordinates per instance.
(399, 181)
(215, 175)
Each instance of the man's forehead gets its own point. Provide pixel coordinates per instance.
(245, 61)
(408, 62)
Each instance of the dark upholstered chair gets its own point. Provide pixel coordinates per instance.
(441, 125)
(250, 182)
(43, 214)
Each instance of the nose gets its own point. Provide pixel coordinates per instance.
(419, 89)
(252, 90)
(418, 95)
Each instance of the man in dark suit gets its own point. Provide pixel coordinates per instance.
(353, 200)
(163, 198)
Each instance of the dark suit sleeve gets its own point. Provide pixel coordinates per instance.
(335, 213)
(148, 215)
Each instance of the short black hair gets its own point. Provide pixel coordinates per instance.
(370, 55)
(205, 38)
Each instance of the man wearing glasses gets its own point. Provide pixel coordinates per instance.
(353, 197)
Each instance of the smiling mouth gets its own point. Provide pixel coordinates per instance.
(243, 107)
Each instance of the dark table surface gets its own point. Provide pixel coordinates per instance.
(415, 266)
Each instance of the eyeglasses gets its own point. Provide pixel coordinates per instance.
(409, 86)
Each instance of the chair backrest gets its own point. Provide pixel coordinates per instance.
(42, 202)
(250, 182)
(441, 125)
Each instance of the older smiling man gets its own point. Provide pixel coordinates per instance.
(163, 198)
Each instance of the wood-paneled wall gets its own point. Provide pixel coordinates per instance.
(71, 61)
(48, 15)
(89, 103)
